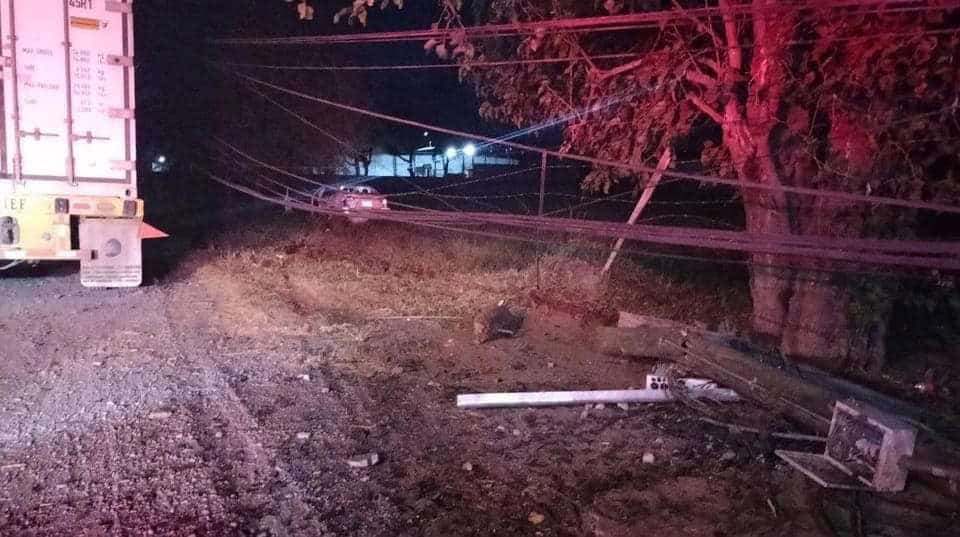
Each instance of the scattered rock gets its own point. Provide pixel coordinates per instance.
(623, 406)
(304, 377)
(324, 390)
(551, 365)
(497, 322)
(97, 364)
(271, 526)
(536, 518)
(728, 455)
(363, 461)
(648, 458)
(600, 406)
(585, 413)
(159, 414)
(467, 467)
(516, 432)
(303, 435)
(433, 384)
(398, 370)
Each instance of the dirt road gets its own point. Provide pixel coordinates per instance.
(228, 398)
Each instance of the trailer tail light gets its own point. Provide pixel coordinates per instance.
(61, 206)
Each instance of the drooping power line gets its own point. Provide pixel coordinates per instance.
(831, 194)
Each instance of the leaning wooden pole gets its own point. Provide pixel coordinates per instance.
(665, 159)
(543, 193)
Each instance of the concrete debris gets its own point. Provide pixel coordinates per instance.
(623, 406)
(159, 415)
(551, 365)
(648, 458)
(600, 406)
(467, 467)
(304, 377)
(364, 461)
(303, 436)
(536, 518)
(728, 455)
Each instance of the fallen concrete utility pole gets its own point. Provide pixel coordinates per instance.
(657, 391)
(803, 392)
(772, 381)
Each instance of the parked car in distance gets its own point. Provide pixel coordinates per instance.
(352, 200)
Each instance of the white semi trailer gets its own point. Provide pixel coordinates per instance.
(68, 178)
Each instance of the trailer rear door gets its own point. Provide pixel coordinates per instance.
(68, 105)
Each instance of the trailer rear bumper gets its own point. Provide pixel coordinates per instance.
(102, 233)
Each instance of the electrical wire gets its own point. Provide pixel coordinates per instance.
(11, 264)
(417, 66)
(743, 185)
(919, 254)
(631, 21)
(463, 228)
(303, 119)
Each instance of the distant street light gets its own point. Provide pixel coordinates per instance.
(451, 152)
(469, 150)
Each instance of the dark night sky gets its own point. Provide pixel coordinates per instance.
(177, 91)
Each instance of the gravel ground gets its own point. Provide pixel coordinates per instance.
(227, 402)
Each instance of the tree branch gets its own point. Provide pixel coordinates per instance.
(713, 65)
(604, 75)
(717, 43)
(698, 77)
(586, 57)
(569, 106)
(734, 53)
(706, 108)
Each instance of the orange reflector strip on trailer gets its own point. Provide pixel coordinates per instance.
(84, 23)
(149, 232)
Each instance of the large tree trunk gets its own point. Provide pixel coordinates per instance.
(766, 213)
(796, 305)
(770, 279)
(827, 323)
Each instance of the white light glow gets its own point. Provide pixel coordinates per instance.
(162, 159)
(469, 150)
(451, 152)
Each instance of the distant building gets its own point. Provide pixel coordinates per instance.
(429, 162)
